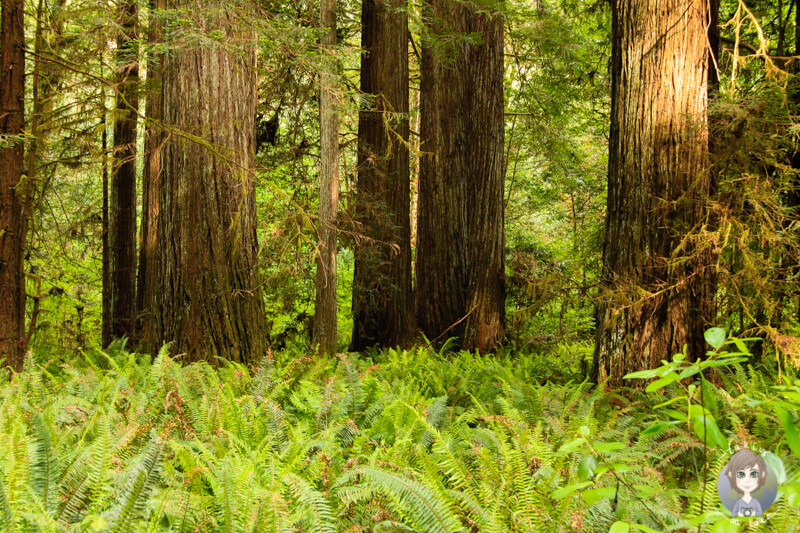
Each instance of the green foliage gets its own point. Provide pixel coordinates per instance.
(401, 440)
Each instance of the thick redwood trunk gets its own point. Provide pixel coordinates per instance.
(460, 265)
(658, 290)
(151, 171)
(12, 153)
(122, 193)
(206, 298)
(325, 327)
(382, 306)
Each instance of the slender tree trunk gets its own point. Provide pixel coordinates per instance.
(105, 330)
(382, 306)
(122, 194)
(12, 189)
(151, 171)
(460, 241)
(325, 328)
(656, 276)
(713, 44)
(207, 297)
(793, 195)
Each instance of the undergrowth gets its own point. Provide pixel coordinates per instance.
(396, 441)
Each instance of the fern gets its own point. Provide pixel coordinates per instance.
(6, 516)
(43, 464)
(141, 482)
(414, 499)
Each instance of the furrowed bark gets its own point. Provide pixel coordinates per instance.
(657, 277)
(460, 289)
(207, 299)
(151, 171)
(325, 327)
(12, 188)
(382, 304)
(122, 192)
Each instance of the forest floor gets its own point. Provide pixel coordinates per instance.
(395, 441)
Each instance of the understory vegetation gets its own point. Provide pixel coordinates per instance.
(394, 441)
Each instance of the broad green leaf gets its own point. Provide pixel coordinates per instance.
(789, 430)
(671, 400)
(677, 415)
(619, 527)
(593, 496)
(723, 362)
(659, 427)
(662, 382)
(742, 347)
(571, 446)
(642, 374)
(706, 425)
(587, 467)
(715, 337)
(563, 492)
(605, 447)
(691, 371)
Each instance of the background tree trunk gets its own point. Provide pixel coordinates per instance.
(655, 274)
(382, 306)
(151, 170)
(325, 328)
(12, 154)
(207, 299)
(460, 241)
(105, 332)
(122, 194)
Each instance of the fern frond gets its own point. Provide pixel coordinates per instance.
(141, 481)
(416, 500)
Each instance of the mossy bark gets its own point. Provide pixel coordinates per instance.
(657, 281)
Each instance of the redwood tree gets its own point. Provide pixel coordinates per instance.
(122, 193)
(205, 294)
(657, 276)
(325, 327)
(151, 168)
(12, 153)
(382, 306)
(460, 264)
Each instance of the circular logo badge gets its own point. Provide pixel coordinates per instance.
(747, 486)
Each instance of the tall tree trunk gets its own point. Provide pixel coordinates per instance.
(151, 171)
(654, 273)
(325, 328)
(382, 306)
(460, 241)
(12, 189)
(207, 298)
(793, 195)
(105, 330)
(713, 44)
(122, 194)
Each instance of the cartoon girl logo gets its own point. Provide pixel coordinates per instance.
(747, 486)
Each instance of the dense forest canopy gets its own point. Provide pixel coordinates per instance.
(442, 265)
